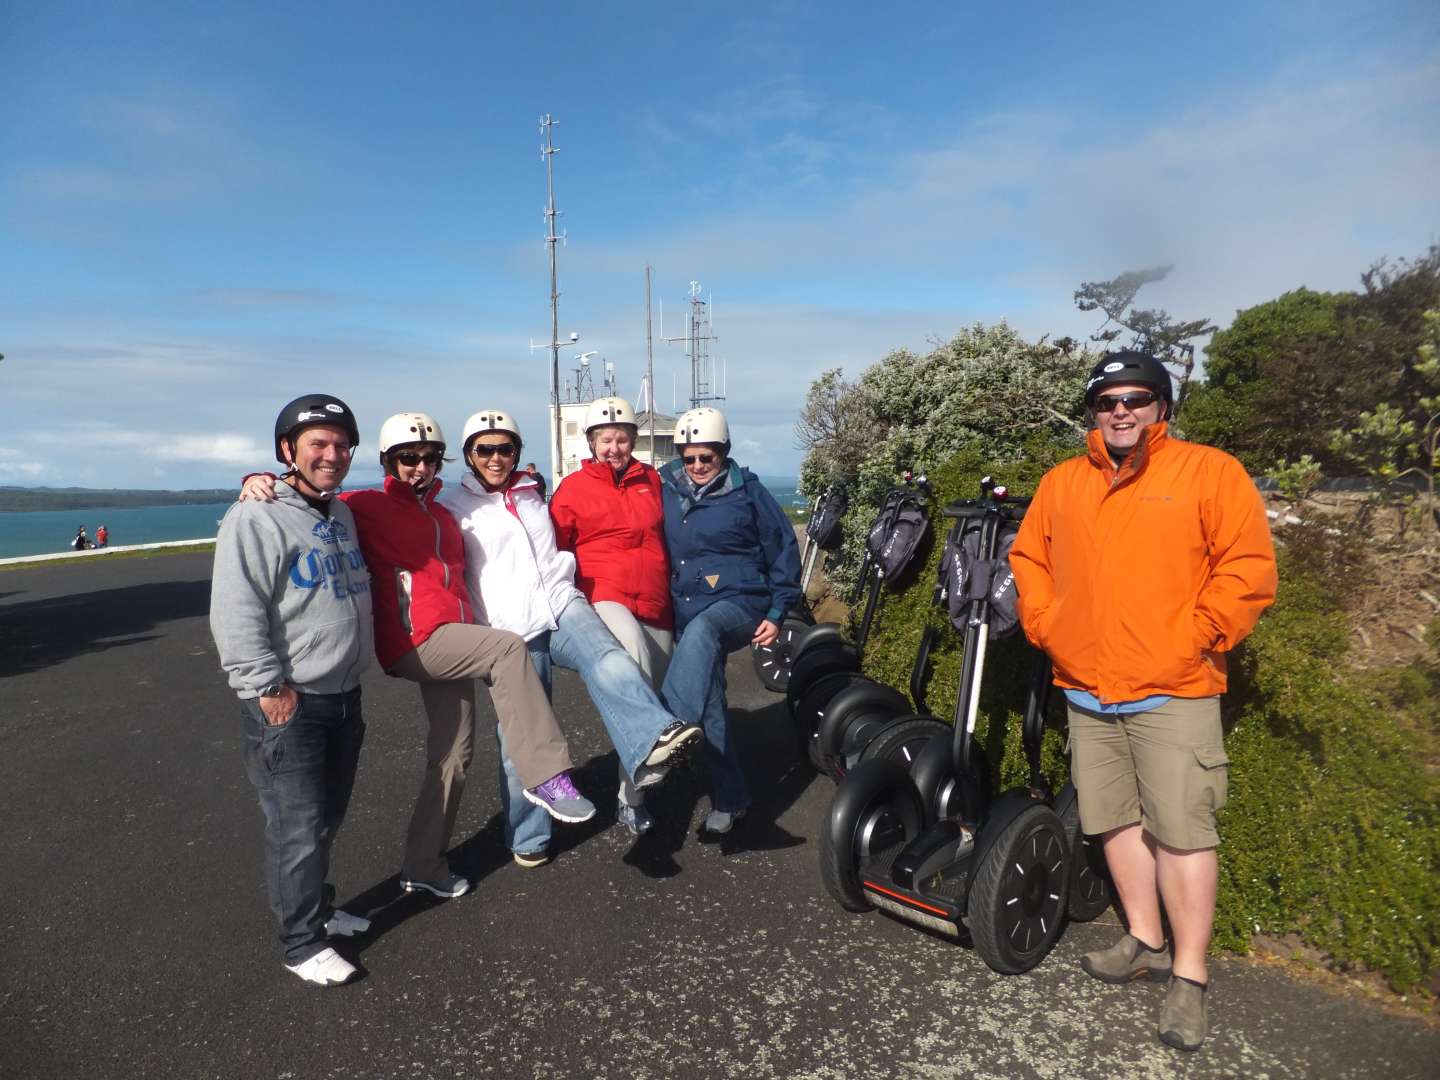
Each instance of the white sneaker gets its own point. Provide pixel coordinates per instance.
(325, 968)
(648, 776)
(343, 924)
(720, 822)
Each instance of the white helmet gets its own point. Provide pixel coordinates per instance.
(499, 420)
(702, 425)
(608, 410)
(409, 427)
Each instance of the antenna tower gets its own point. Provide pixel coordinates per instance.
(699, 332)
(547, 154)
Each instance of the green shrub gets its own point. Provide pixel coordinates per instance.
(1331, 828)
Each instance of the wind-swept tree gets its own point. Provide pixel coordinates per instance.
(1151, 330)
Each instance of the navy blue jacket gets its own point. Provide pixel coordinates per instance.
(733, 543)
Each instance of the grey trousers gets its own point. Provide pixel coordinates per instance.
(650, 647)
(446, 666)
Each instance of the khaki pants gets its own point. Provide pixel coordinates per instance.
(650, 647)
(1165, 768)
(446, 667)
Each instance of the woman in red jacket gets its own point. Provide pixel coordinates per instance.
(609, 514)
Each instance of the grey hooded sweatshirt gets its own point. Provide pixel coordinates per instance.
(290, 597)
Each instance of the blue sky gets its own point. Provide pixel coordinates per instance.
(208, 208)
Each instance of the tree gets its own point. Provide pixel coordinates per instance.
(1222, 411)
(1151, 330)
(833, 428)
(1388, 447)
(986, 387)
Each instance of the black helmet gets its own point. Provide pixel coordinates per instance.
(1130, 368)
(309, 410)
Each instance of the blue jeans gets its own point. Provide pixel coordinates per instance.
(303, 771)
(632, 713)
(695, 692)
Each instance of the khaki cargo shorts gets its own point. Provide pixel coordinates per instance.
(1165, 768)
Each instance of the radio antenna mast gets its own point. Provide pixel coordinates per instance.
(698, 335)
(649, 366)
(547, 154)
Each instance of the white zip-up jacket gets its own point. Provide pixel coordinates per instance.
(519, 580)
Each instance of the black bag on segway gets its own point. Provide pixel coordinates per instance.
(965, 577)
(897, 532)
(824, 526)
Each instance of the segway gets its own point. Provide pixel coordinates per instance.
(993, 871)
(855, 725)
(822, 533)
(825, 682)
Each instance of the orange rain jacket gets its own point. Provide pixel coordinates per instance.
(1137, 580)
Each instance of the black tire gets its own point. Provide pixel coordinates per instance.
(810, 708)
(801, 611)
(854, 704)
(1090, 891)
(903, 741)
(874, 809)
(1018, 898)
(811, 666)
(772, 662)
(934, 774)
(815, 635)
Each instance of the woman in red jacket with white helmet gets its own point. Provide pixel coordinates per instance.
(609, 514)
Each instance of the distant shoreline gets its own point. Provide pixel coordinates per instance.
(25, 500)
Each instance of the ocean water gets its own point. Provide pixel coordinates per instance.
(41, 532)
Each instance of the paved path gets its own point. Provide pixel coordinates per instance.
(135, 939)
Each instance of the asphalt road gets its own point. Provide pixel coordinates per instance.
(135, 940)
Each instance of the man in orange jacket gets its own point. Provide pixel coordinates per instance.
(1139, 565)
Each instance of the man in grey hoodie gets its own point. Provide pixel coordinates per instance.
(290, 614)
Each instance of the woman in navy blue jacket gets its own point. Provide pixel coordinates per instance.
(734, 572)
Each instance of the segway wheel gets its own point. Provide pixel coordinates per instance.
(772, 662)
(809, 709)
(1089, 877)
(1019, 895)
(875, 810)
(812, 665)
(934, 774)
(903, 740)
(864, 702)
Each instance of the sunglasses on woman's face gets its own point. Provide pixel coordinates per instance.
(1136, 399)
(698, 459)
(411, 458)
(485, 450)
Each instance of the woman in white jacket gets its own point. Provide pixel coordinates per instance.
(520, 581)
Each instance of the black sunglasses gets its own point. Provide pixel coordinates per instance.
(485, 450)
(1136, 399)
(698, 459)
(411, 458)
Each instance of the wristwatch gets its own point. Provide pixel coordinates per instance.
(273, 690)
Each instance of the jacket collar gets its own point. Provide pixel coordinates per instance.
(519, 481)
(1152, 441)
(675, 476)
(405, 493)
(601, 471)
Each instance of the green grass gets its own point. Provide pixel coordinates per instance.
(109, 556)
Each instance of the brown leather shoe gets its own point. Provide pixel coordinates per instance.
(1185, 1016)
(1126, 960)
